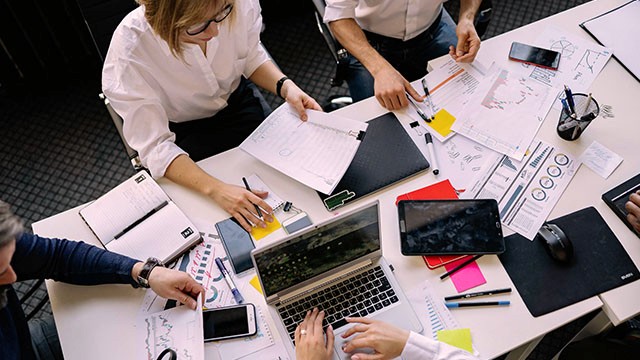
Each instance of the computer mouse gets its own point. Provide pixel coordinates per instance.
(556, 242)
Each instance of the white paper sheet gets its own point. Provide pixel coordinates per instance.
(505, 112)
(527, 190)
(600, 159)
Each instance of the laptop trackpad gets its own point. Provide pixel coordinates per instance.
(396, 316)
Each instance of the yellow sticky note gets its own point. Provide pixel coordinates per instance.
(457, 337)
(258, 232)
(442, 122)
(256, 284)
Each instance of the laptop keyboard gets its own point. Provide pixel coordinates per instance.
(359, 295)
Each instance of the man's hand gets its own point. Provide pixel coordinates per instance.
(390, 88)
(468, 42)
(633, 209)
(298, 99)
(386, 340)
(172, 284)
(310, 343)
(239, 202)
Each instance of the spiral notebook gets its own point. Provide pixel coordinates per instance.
(386, 155)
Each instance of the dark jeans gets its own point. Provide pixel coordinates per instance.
(225, 130)
(408, 57)
(44, 338)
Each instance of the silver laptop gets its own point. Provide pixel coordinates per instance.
(338, 267)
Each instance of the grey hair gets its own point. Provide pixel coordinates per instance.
(10, 225)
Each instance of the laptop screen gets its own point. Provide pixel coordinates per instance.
(327, 247)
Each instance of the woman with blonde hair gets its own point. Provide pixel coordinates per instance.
(181, 74)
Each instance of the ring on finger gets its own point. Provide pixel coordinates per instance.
(303, 332)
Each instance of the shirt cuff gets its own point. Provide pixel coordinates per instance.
(332, 14)
(419, 347)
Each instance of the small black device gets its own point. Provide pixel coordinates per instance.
(237, 244)
(556, 242)
(548, 59)
(229, 322)
(449, 227)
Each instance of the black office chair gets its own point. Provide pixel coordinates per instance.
(340, 54)
(26, 301)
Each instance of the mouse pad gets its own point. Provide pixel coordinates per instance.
(599, 264)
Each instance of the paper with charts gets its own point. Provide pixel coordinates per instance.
(316, 152)
(580, 61)
(527, 190)
(506, 111)
(178, 328)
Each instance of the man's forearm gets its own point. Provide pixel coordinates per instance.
(468, 9)
(351, 36)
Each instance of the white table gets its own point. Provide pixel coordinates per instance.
(98, 322)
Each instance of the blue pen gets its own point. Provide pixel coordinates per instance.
(565, 107)
(229, 280)
(572, 105)
(477, 303)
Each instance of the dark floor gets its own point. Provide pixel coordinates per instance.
(59, 148)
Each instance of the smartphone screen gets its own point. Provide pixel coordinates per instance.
(534, 55)
(237, 243)
(229, 322)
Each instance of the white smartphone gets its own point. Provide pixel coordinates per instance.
(229, 322)
(297, 222)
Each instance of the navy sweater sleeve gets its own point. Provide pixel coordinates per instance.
(69, 261)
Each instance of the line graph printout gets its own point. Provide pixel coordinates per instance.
(506, 112)
(316, 152)
(179, 328)
(527, 190)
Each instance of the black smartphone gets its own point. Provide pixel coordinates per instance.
(229, 322)
(548, 59)
(237, 243)
(450, 227)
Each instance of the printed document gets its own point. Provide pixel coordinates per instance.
(316, 152)
(505, 112)
(527, 190)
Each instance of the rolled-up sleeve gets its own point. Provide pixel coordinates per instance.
(340, 9)
(257, 54)
(146, 125)
(422, 347)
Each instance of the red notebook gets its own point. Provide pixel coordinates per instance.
(441, 190)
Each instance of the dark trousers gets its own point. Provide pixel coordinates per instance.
(225, 130)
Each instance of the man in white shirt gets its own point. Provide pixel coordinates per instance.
(385, 340)
(391, 41)
(176, 73)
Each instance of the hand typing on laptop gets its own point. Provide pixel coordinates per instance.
(633, 208)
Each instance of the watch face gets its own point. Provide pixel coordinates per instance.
(143, 282)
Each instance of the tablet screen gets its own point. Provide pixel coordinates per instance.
(441, 227)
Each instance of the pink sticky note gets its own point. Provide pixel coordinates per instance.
(466, 278)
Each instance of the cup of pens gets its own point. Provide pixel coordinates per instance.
(578, 111)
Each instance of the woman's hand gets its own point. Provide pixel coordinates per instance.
(298, 99)
(240, 203)
(310, 343)
(385, 339)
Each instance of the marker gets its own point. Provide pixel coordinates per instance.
(432, 153)
(476, 294)
(420, 112)
(572, 105)
(457, 268)
(426, 92)
(478, 303)
(229, 280)
(246, 185)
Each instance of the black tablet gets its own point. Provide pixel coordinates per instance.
(446, 227)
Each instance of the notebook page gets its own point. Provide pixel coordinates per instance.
(160, 236)
(256, 183)
(316, 152)
(123, 205)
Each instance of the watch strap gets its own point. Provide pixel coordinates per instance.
(149, 265)
(279, 86)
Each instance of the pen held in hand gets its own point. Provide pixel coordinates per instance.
(246, 185)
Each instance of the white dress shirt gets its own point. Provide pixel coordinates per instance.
(148, 86)
(400, 19)
(420, 347)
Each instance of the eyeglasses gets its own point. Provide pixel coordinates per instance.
(218, 18)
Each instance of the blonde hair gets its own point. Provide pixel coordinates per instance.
(170, 18)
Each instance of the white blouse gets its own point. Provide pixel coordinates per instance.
(148, 86)
(420, 347)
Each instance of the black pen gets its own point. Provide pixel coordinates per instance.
(420, 112)
(426, 93)
(146, 216)
(432, 153)
(246, 185)
(457, 268)
(476, 294)
(572, 105)
(478, 303)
